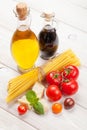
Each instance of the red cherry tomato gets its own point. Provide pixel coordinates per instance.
(54, 77)
(70, 72)
(69, 87)
(53, 93)
(22, 109)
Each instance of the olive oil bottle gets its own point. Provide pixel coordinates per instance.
(24, 43)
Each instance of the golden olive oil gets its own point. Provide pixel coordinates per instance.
(25, 49)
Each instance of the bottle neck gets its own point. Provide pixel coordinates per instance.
(23, 25)
(49, 24)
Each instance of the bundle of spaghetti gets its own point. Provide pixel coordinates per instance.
(22, 83)
(66, 58)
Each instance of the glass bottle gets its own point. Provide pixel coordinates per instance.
(24, 43)
(48, 38)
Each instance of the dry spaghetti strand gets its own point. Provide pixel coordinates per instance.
(22, 83)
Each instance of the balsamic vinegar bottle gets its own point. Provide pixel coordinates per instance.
(48, 38)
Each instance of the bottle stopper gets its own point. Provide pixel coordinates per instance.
(47, 16)
(22, 10)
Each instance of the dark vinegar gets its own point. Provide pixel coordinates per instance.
(48, 41)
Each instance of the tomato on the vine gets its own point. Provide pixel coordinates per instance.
(54, 77)
(70, 72)
(22, 109)
(53, 93)
(69, 87)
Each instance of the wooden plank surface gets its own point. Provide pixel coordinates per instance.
(81, 3)
(65, 11)
(72, 31)
(10, 122)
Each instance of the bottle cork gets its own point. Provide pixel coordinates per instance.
(22, 10)
(47, 16)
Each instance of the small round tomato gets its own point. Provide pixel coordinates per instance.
(70, 72)
(69, 87)
(53, 93)
(54, 77)
(56, 108)
(69, 103)
(22, 109)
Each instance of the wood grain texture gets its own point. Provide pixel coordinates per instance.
(65, 11)
(80, 3)
(72, 31)
(10, 122)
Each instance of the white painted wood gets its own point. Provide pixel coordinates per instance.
(72, 32)
(81, 3)
(10, 122)
(65, 12)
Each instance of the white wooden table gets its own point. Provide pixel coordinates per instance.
(72, 30)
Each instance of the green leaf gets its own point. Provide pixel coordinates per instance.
(68, 70)
(38, 107)
(31, 97)
(56, 76)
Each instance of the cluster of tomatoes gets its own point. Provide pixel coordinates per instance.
(62, 83)
(59, 84)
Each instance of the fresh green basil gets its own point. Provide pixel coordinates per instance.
(31, 97)
(38, 107)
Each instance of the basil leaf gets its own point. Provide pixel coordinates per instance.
(31, 97)
(38, 107)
